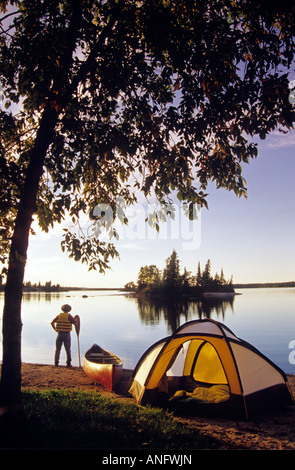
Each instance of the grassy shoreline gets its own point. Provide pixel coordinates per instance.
(74, 419)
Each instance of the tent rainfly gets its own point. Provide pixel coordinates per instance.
(206, 367)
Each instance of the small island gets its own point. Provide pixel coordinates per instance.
(154, 282)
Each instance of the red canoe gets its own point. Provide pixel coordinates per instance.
(102, 366)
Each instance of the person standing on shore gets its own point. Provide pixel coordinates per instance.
(63, 325)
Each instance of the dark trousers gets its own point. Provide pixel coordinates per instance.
(63, 338)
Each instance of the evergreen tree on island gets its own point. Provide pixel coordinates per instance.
(171, 282)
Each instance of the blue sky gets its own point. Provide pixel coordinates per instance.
(252, 239)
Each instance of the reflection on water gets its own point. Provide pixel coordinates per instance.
(128, 326)
(176, 312)
(40, 296)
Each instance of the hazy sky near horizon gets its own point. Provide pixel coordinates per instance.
(251, 239)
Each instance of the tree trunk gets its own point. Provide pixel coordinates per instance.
(10, 389)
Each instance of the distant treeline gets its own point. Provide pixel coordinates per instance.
(264, 284)
(170, 281)
(38, 287)
(49, 287)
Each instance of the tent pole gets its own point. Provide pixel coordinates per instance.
(245, 406)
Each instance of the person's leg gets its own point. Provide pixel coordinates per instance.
(58, 345)
(67, 344)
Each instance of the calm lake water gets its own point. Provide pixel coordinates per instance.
(128, 326)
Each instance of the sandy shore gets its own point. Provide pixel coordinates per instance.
(272, 431)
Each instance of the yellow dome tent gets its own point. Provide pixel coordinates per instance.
(203, 365)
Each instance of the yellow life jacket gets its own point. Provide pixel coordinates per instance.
(63, 323)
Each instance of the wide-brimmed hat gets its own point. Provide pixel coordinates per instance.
(66, 308)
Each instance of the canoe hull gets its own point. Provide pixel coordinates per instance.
(105, 369)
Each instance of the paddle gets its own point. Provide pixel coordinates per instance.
(77, 328)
